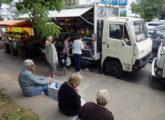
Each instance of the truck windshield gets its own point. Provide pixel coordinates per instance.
(140, 30)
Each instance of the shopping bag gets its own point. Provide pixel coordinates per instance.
(68, 61)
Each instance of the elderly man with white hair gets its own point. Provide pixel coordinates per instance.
(92, 111)
(31, 84)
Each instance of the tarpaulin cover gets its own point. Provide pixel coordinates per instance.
(19, 29)
(16, 23)
(74, 12)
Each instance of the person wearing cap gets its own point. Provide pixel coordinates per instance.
(96, 111)
(31, 84)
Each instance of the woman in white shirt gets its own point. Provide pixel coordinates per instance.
(78, 46)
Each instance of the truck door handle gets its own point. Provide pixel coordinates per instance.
(107, 45)
(104, 42)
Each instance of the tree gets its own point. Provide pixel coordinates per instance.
(148, 9)
(71, 2)
(38, 13)
(5, 1)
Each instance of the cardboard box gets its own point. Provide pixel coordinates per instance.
(53, 89)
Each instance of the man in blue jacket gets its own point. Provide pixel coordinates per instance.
(31, 84)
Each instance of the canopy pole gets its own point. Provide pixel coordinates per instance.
(86, 20)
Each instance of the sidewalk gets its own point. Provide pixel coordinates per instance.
(128, 101)
(45, 107)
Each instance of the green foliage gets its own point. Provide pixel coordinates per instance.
(148, 9)
(10, 110)
(5, 1)
(70, 2)
(122, 14)
(38, 10)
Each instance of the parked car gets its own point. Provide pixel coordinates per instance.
(158, 66)
(160, 28)
(151, 25)
(157, 37)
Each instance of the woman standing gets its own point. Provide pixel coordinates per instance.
(51, 56)
(66, 50)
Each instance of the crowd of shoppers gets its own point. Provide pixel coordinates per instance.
(69, 99)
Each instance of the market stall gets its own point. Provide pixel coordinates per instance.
(18, 34)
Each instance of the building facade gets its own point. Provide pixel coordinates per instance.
(125, 5)
(5, 12)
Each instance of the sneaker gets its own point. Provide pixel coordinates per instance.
(78, 72)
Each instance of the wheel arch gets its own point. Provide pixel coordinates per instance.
(107, 59)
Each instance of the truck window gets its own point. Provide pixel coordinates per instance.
(140, 30)
(116, 31)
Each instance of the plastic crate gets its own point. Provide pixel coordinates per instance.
(53, 89)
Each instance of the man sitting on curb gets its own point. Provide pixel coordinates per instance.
(31, 84)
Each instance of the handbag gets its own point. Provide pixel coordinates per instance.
(68, 61)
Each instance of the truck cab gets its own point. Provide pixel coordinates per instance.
(125, 45)
(120, 43)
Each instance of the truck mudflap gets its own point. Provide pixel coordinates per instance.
(155, 77)
(142, 62)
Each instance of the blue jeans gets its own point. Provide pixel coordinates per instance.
(77, 61)
(65, 62)
(39, 89)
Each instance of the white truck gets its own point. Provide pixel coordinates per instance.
(119, 43)
(158, 65)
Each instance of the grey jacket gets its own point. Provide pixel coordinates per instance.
(51, 54)
(28, 81)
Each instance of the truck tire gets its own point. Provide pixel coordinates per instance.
(153, 83)
(114, 68)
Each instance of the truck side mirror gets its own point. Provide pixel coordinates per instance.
(122, 41)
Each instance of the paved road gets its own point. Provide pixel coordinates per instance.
(142, 77)
(132, 98)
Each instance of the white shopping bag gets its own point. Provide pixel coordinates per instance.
(68, 61)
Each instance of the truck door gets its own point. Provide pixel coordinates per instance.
(118, 45)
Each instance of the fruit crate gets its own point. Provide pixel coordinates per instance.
(53, 89)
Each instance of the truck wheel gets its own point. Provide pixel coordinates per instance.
(114, 68)
(154, 54)
(155, 83)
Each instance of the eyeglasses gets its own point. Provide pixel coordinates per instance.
(33, 65)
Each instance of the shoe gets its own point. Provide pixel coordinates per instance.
(64, 72)
(78, 72)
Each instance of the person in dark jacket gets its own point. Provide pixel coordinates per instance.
(92, 111)
(69, 100)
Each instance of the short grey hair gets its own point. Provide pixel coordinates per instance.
(102, 97)
(27, 62)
